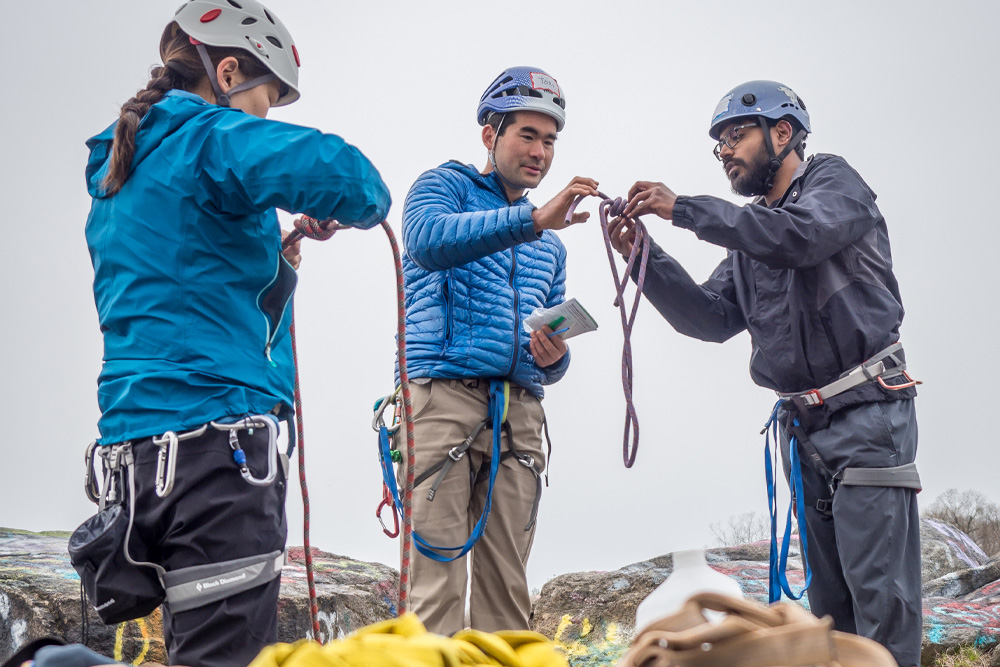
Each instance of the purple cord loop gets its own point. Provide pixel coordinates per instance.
(640, 250)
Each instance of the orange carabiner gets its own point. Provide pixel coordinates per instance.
(388, 502)
(910, 382)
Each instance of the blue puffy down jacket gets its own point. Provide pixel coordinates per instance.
(475, 269)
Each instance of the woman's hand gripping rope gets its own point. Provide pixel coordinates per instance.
(306, 227)
(628, 236)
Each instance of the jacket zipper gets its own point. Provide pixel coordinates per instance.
(517, 312)
(448, 307)
(269, 334)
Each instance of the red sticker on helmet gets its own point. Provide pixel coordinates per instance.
(210, 15)
(541, 81)
(295, 52)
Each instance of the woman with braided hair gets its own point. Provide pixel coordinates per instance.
(194, 301)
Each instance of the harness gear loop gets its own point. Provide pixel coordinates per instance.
(639, 253)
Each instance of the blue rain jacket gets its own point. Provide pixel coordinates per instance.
(810, 278)
(193, 295)
(474, 270)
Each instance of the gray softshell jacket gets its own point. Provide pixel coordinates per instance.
(810, 278)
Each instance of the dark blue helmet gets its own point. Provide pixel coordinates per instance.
(523, 89)
(754, 99)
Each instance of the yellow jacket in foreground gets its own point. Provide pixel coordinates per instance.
(404, 642)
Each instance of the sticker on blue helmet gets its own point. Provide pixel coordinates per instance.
(542, 81)
(791, 94)
(722, 107)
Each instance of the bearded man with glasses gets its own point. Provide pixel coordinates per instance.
(808, 274)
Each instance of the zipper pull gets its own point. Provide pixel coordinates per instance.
(267, 353)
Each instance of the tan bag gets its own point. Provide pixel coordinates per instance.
(750, 635)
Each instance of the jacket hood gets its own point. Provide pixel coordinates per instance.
(488, 181)
(162, 120)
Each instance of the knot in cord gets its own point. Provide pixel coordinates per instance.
(311, 228)
(640, 251)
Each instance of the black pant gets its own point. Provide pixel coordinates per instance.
(212, 515)
(865, 556)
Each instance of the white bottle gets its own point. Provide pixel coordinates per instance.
(691, 575)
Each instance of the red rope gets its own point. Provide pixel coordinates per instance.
(404, 382)
(306, 227)
(321, 231)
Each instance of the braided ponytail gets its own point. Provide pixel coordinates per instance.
(161, 80)
(182, 69)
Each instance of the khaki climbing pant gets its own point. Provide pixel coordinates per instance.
(445, 413)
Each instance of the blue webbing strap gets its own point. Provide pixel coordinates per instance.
(497, 412)
(777, 578)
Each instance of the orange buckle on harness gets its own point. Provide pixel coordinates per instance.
(812, 398)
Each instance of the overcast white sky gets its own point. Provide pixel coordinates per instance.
(906, 91)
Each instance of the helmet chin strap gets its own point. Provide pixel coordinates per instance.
(776, 160)
(221, 98)
(493, 159)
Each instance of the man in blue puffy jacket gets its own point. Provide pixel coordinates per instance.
(479, 259)
(809, 276)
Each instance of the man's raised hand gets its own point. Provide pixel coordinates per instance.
(553, 214)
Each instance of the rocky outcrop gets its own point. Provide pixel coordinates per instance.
(944, 549)
(591, 615)
(40, 595)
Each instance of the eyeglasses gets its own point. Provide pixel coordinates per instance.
(730, 138)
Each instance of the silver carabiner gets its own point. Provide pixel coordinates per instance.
(90, 480)
(251, 423)
(378, 421)
(166, 463)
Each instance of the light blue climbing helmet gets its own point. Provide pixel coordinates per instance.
(523, 89)
(756, 99)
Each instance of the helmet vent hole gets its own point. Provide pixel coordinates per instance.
(235, 4)
(249, 20)
(274, 40)
(268, 16)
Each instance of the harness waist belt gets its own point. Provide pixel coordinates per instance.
(868, 371)
(193, 587)
(904, 476)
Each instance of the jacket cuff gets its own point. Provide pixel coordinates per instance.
(682, 213)
(528, 233)
(556, 371)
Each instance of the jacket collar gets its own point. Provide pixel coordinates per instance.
(488, 181)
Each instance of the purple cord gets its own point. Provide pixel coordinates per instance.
(640, 250)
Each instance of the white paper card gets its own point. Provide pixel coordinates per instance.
(575, 319)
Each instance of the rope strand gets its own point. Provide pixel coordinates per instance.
(640, 250)
(306, 227)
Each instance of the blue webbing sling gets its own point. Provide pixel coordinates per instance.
(497, 412)
(777, 578)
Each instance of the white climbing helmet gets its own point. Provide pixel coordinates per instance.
(247, 25)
